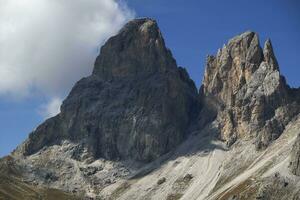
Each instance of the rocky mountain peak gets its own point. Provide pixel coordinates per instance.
(137, 50)
(232, 67)
(146, 26)
(245, 81)
(269, 56)
(136, 105)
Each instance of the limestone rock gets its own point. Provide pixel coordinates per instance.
(253, 98)
(138, 50)
(136, 105)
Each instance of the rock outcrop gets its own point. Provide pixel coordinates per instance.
(13, 186)
(295, 158)
(136, 105)
(251, 98)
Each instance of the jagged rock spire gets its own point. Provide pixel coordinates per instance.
(269, 55)
(245, 81)
(232, 67)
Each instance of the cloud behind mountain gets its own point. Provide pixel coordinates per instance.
(46, 45)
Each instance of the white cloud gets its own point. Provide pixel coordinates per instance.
(52, 108)
(47, 45)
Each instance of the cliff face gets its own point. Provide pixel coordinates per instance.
(253, 99)
(137, 103)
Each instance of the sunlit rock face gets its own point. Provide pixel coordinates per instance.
(136, 105)
(253, 99)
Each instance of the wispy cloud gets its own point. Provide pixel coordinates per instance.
(47, 45)
(51, 108)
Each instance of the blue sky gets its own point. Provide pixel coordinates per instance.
(192, 29)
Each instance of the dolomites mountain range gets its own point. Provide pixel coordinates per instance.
(138, 128)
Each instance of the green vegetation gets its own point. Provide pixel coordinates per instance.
(15, 189)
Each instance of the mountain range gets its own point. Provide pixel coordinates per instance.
(138, 128)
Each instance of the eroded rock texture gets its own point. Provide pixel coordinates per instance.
(251, 98)
(137, 104)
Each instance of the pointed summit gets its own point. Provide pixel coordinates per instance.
(246, 81)
(233, 66)
(138, 49)
(269, 55)
(142, 24)
(136, 105)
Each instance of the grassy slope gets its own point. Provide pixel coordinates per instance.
(13, 188)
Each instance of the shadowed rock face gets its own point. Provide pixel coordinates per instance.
(137, 103)
(138, 50)
(252, 98)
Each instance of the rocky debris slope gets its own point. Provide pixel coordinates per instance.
(13, 186)
(260, 174)
(137, 128)
(203, 168)
(137, 104)
(251, 98)
(295, 157)
(56, 167)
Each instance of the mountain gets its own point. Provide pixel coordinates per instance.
(253, 98)
(137, 103)
(137, 128)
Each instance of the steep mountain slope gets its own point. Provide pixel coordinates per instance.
(137, 103)
(204, 168)
(138, 129)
